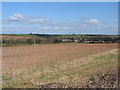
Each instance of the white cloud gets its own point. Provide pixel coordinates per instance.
(46, 23)
(93, 21)
(58, 28)
(65, 27)
(12, 26)
(45, 28)
(32, 20)
(42, 24)
(13, 18)
(41, 21)
(16, 17)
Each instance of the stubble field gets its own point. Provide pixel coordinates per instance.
(72, 63)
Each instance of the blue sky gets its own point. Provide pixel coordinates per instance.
(60, 17)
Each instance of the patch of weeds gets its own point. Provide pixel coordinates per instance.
(5, 78)
(70, 74)
(70, 80)
(52, 66)
(9, 84)
(119, 57)
(109, 63)
(34, 70)
(41, 69)
(42, 77)
(105, 56)
(71, 77)
(23, 83)
(52, 76)
(57, 75)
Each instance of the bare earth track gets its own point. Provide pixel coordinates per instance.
(20, 56)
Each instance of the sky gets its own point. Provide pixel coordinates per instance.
(60, 0)
(60, 17)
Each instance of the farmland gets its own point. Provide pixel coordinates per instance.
(66, 63)
(29, 39)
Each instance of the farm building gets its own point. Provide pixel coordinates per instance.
(67, 40)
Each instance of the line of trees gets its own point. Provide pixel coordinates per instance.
(11, 41)
(36, 39)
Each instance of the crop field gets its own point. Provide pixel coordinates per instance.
(66, 63)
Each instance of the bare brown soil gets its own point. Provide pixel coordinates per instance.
(14, 37)
(22, 56)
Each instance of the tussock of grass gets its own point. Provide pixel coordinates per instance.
(70, 72)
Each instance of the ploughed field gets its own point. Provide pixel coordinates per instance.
(20, 56)
(69, 63)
